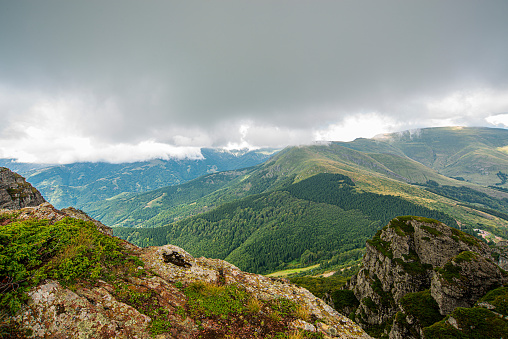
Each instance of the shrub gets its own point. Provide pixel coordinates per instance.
(68, 250)
(210, 299)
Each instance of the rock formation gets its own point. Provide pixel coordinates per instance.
(152, 293)
(415, 266)
(15, 192)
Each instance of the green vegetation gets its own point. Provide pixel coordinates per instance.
(449, 272)
(465, 256)
(262, 233)
(320, 286)
(475, 323)
(422, 307)
(386, 297)
(498, 298)
(337, 189)
(322, 219)
(465, 238)
(214, 300)
(431, 230)
(471, 196)
(225, 303)
(68, 251)
(343, 299)
(292, 271)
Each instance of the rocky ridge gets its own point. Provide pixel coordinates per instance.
(15, 192)
(419, 261)
(162, 292)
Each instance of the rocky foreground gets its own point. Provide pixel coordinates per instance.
(62, 275)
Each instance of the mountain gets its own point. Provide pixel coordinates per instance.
(306, 205)
(420, 278)
(78, 184)
(312, 220)
(368, 161)
(478, 155)
(62, 276)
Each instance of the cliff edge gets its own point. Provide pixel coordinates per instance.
(416, 272)
(15, 192)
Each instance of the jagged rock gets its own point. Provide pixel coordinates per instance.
(20, 197)
(57, 312)
(15, 192)
(502, 250)
(108, 309)
(263, 288)
(463, 280)
(411, 254)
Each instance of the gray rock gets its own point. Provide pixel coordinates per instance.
(15, 192)
(407, 256)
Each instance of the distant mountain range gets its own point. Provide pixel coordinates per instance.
(319, 203)
(78, 184)
(315, 204)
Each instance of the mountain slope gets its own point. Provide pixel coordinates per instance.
(381, 173)
(475, 154)
(287, 213)
(318, 217)
(80, 183)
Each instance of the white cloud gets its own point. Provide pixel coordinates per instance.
(499, 120)
(364, 125)
(472, 103)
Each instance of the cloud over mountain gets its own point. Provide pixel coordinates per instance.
(241, 73)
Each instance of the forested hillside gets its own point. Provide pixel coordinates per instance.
(312, 221)
(314, 204)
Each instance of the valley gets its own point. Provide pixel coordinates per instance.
(373, 227)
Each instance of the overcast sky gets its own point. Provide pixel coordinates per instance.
(129, 80)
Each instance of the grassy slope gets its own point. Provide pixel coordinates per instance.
(475, 154)
(375, 172)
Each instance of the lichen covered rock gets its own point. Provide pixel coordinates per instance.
(15, 192)
(414, 254)
(155, 292)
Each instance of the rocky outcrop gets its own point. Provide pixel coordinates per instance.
(46, 211)
(501, 251)
(15, 192)
(463, 280)
(157, 283)
(419, 260)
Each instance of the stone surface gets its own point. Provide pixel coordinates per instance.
(15, 192)
(403, 258)
(477, 276)
(263, 288)
(101, 310)
(46, 211)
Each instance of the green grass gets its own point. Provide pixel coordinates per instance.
(214, 300)
(285, 273)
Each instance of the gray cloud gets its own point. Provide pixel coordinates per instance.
(192, 73)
